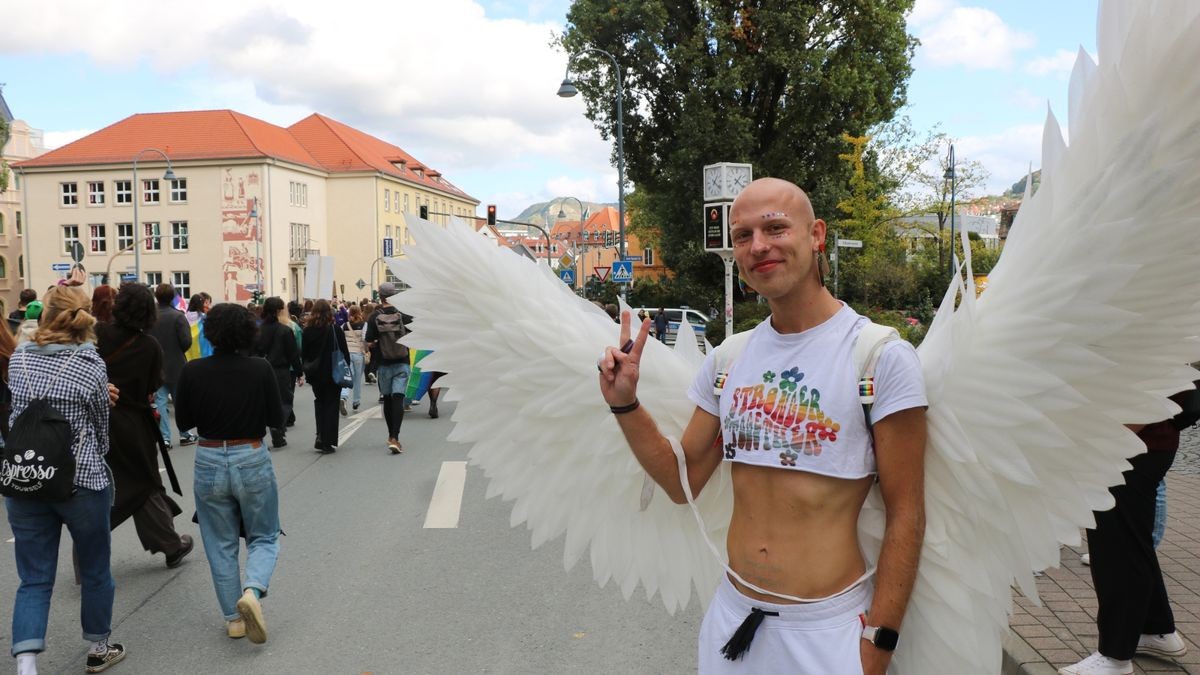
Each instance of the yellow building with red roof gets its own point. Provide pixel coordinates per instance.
(248, 203)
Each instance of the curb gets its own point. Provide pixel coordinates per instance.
(1021, 659)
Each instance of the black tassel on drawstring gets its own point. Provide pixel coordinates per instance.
(740, 642)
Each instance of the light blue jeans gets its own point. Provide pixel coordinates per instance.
(37, 528)
(235, 488)
(356, 369)
(393, 378)
(164, 414)
(1160, 513)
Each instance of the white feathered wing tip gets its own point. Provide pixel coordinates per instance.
(520, 350)
(1087, 324)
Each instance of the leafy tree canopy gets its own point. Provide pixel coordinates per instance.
(773, 83)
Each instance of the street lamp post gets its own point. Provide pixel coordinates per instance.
(137, 225)
(582, 218)
(950, 175)
(567, 90)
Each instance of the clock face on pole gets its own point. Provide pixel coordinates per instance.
(712, 182)
(736, 179)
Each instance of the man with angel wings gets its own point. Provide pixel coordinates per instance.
(1088, 323)
(803, 455)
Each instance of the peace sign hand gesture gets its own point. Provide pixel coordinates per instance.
(619, 367)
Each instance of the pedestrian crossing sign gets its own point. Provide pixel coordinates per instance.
(568, 276)
(622, 271)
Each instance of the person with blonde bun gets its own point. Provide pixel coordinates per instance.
(62, 365)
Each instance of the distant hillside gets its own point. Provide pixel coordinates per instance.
(547, 212)
(1018, 188)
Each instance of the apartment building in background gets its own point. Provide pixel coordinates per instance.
(245, 205)
(24, 142)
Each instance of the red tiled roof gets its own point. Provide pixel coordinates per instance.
(198, 134)
(341, 148)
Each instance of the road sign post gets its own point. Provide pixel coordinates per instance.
(837, 256)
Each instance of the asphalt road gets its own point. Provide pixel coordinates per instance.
(362, 586)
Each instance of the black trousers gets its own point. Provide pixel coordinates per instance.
(155, 524)
(287, 394)
(1129, 584)
(325, 406)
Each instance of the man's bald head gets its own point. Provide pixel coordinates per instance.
(772, 195)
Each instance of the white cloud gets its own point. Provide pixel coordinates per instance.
(973, 37)
(925, 11)
(57, 139)
(457, 89)
(1060, 63)
(1006, 155)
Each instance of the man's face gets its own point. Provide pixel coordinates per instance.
(775, 236)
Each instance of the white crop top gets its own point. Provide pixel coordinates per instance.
(791, 400)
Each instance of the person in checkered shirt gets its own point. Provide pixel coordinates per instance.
(61, 363)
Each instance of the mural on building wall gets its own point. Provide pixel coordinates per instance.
(241, 258)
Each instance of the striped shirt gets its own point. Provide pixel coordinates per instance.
(78, 390)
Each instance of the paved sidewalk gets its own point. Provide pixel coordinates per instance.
(1063, 629)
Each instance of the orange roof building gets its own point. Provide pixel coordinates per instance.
(246, 204)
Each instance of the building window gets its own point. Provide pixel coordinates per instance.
(21, 266)
(182, 281)
(178, 190)
(124, 236)
(406, 202)
(304, 195)
(20, 231)
(70, 236)
(153, 236)
(153, 279)
(96, 193)
(179, 235)
(300, 242)
(648, 257)
(291, 193)
(70, 194)
(389, 232)
(3, 267)
(297, 194)
(150, 191)
(123, 191)
(387, 200)
(96, 237)
(1, 224)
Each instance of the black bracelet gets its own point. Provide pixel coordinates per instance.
(622, 409)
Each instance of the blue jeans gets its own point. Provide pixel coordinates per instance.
(164, 414)
(356, 369)
(1160, 513)
(37, 527)
(393, 378)
(235, 488)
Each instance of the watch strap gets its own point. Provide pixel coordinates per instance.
(881, 636)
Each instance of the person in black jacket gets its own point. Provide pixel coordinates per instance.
(174, 335)
(319, 340)
(277, 344)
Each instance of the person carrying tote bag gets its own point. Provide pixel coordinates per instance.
(317, 354)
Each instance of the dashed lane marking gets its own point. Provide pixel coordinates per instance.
(446, 503)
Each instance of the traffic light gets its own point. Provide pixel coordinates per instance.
(491, 214)
(608, 238)
(424, 212)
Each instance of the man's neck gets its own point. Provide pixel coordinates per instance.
(800, 313)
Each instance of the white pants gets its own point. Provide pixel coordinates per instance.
(818, 638)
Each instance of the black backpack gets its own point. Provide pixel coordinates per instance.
(391, 328)
(37, 462)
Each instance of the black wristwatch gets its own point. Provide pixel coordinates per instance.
(882, 637)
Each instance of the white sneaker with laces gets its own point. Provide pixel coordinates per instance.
(1086, 559)
(1098, 664)
(1170, 645)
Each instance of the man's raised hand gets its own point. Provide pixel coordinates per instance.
(619, 366)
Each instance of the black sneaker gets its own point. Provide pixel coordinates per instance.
(185, 548)
(98, 663)
(342, 407)
(187, 440)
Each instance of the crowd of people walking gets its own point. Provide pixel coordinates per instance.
(101, 374)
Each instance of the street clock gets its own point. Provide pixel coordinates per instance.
(724, 181)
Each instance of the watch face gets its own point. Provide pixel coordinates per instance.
(736, 179)
(712, 183)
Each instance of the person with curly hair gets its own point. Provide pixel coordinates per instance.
(320, 339)
(134, 362)
(61, 364)
(232, 398)
(102, 303)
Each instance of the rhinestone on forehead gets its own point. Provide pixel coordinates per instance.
(774, 214)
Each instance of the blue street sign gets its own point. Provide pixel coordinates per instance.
(388, 247)
(129, 277)
(634, 258)
(568, 276)
(622, 271)
(60, 267)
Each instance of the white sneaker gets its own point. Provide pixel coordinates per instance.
(1162, 645)
(1098, 664)
(1086, 559)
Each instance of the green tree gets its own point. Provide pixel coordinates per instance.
(769, 82)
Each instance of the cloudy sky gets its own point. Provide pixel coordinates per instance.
(468, 86)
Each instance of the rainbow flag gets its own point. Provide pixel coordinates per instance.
(418, 380)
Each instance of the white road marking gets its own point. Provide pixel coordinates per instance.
(356, 422)
(9, 541)
(446, 503)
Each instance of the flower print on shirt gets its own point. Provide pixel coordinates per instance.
(783, 417)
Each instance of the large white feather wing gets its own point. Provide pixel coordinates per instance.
(1086, 325)
(520, 350)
